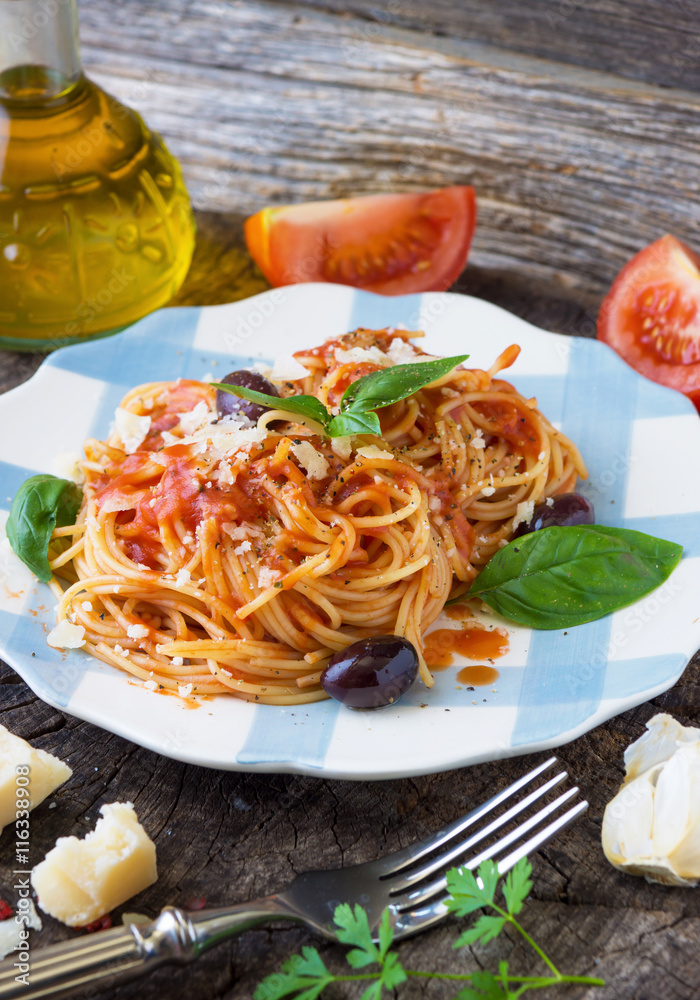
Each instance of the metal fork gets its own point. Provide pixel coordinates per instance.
(411, 883)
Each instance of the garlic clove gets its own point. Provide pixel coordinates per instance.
(652, 826)
(686, 857)
(671, 805)
(663, 737)
(628, 822)
(656, 870)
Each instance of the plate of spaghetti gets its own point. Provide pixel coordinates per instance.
(224, 552)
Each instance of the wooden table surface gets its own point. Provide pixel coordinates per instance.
(578, 124)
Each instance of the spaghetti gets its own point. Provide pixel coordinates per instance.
(221, 556)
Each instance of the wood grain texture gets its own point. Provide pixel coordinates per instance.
(231, 837)
(657, 41)
(263, 103)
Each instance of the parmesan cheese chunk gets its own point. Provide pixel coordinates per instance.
(81, 880)
(362, 355)
(192, 420)
(523, 513)
(137, 631)
(66, 636)
(287, 369)
(66, 466)
(372, 451)
(44, 773)
(315, 464)
(342, 447)
(131, 428)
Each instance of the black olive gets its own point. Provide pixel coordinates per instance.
(227, 404)
(371, 672)
(566, 510)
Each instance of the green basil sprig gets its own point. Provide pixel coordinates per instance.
(559, 577)
(360, 399)
(42, 503)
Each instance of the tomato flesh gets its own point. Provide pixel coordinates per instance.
(651, 315)
(389, 243)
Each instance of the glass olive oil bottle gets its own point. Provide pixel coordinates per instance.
(96, 228)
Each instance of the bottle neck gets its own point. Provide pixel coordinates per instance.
(39, 50)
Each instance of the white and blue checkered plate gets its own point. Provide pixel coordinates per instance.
(641, 444)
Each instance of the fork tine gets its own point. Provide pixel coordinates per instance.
(417, 875)
(438, 885)
(542, 836)
(415, 920)
(399, 860)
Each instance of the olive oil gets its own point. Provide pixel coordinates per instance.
(96, 228)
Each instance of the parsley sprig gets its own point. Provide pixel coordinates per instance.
(361, 398)
(305, 976)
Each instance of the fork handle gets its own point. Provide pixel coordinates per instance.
(79, 967)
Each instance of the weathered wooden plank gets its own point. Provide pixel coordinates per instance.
(653, 40)
(230, 837)
(574, 170)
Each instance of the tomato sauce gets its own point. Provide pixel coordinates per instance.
(474, 641)
(479, 675)
(509, 421)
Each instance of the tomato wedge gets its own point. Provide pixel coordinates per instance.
(651, 315)
(389, 243)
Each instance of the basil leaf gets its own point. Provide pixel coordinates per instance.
(306, 406)
(42, 503)
(354, 423)
(563, 576)
(392, 384)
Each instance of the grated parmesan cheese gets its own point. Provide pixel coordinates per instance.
(372, 451)
(131, 428)
(184, 689)
(342, 447)
(360, 355)
(315, 464)
(267, 576)
(66, 466)
(478, 440)
(137, 631)
(287, 369)
(177, 661)
(66, 636)
(225, 474)
(238, 531)
(169, 439)
(523, 513)
(488, 491)
(400, 352)
(150, 685)
(196, 418)
(549, 501)
(243, 547)
(183, 578)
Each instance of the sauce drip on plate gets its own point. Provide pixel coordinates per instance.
(473, 641)
(478, 676)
